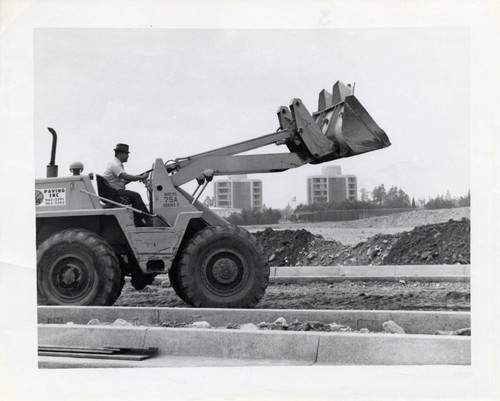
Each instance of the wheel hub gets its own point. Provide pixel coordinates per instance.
(225, 270)
(72, 279)
(69, 275)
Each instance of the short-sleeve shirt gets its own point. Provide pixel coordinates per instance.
(112, 174)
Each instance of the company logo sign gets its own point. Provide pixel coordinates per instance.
(38, 197)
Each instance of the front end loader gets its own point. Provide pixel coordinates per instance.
(87, 243)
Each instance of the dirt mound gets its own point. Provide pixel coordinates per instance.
(442, 243)
(433, 244)
(287, 247)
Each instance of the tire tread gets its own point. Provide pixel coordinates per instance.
(110, 288)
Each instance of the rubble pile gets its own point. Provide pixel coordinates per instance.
(287, 247)
(442, 243)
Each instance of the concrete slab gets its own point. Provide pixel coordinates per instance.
(83, 314)
(297, 346)
(340, 279)
(368, 271)
(385, 271)
(293, 347)
(91, 336)
(393, 349)
(332, 274)
(430, 270)
(414, 322)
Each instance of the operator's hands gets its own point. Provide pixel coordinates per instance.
(146, 181)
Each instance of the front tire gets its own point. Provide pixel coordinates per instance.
(222, 267)
(77, 267)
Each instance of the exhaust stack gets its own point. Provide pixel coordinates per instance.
(52, 167)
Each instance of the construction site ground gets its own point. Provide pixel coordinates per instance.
(419, 238)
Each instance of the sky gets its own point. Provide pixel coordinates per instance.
(171, 93)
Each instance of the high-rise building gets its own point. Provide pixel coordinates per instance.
(331, 186)
(238, 192)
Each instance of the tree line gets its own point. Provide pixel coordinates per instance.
(378, 198)
(254, 217)
(394, 198)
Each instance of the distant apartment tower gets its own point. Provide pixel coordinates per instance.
(238, 192)
(331, 186)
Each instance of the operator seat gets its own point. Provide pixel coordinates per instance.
(106, 191)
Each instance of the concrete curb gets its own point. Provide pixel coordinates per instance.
(413, 322)
(303, 274)
(306, 274)
(314, 347)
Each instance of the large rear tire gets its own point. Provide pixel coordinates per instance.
(173, 276)
(221, 267)
(77, 267)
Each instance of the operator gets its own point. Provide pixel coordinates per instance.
(117, 178)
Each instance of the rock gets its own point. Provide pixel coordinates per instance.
(444, 333)
(463, 332)
(280, 320)
(425, 254)
(392, 327)
(339, 327)
(94, 322)
(69, 323)
(121, 322)
(364, 330)
(277, 326)
(249, 327)
(165, 284)
(299, 326)
(345, 329)
(402, 281)
(319, 326)
(273, 256)
(202, 324)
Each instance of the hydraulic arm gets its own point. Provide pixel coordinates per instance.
(340, 128)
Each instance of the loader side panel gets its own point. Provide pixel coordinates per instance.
(106, 226)
(65, 193)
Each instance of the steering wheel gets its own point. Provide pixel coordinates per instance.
(147, 184)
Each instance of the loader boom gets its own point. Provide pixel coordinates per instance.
(340, 128)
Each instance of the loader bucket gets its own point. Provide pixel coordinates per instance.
(343, 120)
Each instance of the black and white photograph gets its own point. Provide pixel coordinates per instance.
(235, 210)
